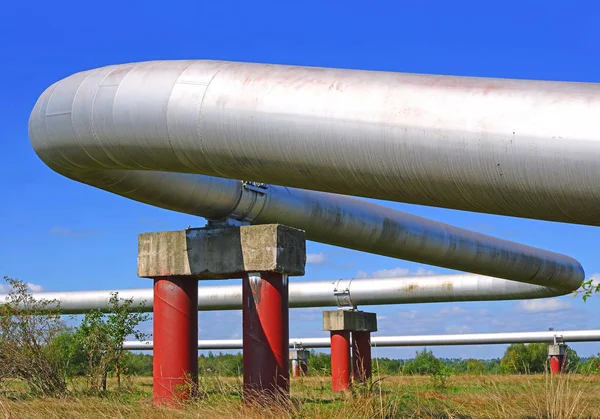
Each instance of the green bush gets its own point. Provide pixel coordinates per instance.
(319, 364)
(475, 366)
(424, 363)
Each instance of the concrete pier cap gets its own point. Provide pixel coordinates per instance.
(299, 354)
(223, 252)
(557, 350)
(349, 320)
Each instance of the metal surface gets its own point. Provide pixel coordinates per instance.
(361, 356)
(569, 336)
(265, 317)
(175, 326)
(521, 148)
(358, 292)
(340, 360)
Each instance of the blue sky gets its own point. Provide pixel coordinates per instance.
(62, 235)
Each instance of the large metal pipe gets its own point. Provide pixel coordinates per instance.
(341, 293)
(568, 336)
(410, 138)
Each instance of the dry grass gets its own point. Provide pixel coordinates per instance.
(543, 396)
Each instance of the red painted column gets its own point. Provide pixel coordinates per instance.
(556, 363)
(265, 335)
(340, 360)
(304, 367)
(361, 356)
(295, 368)
(175, 362)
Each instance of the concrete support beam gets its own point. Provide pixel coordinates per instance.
(263, 256)
(341, 323)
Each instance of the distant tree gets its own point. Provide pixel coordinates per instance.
(492, 366)
(101, 335)
(386, 366)
(456, 366)
(520, 358)
(475, 366)
(136, 364)
(424, 363)
(222, 365)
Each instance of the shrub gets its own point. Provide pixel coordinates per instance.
(101, 335)
(28, 329)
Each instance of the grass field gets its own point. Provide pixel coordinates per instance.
(492, 396)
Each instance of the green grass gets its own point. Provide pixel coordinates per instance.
(504, 396)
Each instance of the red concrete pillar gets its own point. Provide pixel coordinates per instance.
(295, 368)
(175, 362)
(303, 367)
(557, 354)
(265, 335)
(340, 360)
(556, 364)
(361, 356)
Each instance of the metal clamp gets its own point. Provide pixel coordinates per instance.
(558, 340)
(252, 200)
(257, 187)
(341, 292)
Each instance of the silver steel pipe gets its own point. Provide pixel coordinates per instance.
(340, 293)
(515, 147)
(410, 138)
(566, 336)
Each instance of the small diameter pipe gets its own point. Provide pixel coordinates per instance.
(568, 336)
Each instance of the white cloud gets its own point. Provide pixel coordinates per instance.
(315, 258)
(458, 329)
(35, 287)
(454, 311)
(394, 273)
(549, 304)
(5, 288)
